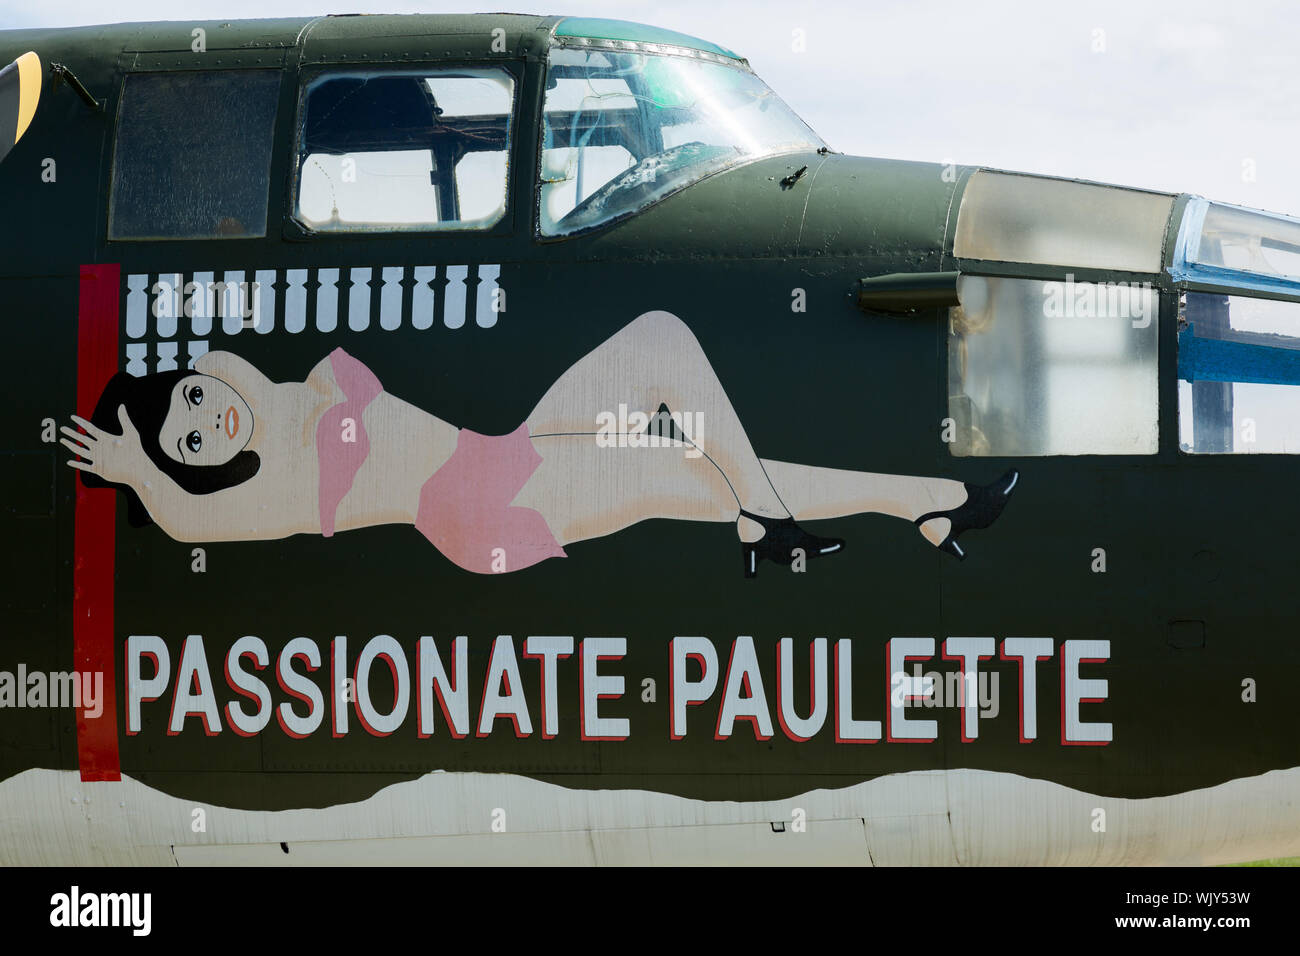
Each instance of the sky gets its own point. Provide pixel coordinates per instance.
(1193, 96)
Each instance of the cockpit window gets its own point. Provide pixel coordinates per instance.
(1238, 247)
(1238, 375)
(1052, 368)
(404, 150)
(623, 130)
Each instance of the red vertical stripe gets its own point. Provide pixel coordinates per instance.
(96, 522)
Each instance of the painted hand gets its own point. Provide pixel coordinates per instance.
(115, 458)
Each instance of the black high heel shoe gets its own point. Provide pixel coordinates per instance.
(778, 545)
(982, 506)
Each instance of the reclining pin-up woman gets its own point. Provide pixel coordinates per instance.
(224, 454)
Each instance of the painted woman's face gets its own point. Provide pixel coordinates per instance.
(208, 423)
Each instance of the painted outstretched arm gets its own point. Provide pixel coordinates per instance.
(238, 513)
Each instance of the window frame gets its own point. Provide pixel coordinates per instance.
(295, 229)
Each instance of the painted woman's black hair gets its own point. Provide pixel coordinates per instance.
(147, 399)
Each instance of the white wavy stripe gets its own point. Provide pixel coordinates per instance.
(921, 818)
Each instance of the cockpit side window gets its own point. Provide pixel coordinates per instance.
(1238, 374)
(404, 150)
(1064, 364)
(192, 157)
(1052, 368)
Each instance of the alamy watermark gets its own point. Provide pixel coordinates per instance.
(664, 429)
(83, 690)
(129, 910)
(953, 689)
(1099, 300)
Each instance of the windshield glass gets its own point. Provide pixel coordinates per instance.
(622, 130)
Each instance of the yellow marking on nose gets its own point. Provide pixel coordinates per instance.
(29, 90)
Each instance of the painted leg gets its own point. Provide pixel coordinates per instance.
(584, 490)
(952, 507)
(812, 493)
(656, 360)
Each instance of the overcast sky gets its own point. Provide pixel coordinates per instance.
(1192, 96)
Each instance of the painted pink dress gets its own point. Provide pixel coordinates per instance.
(340, 460)
(464, 507)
